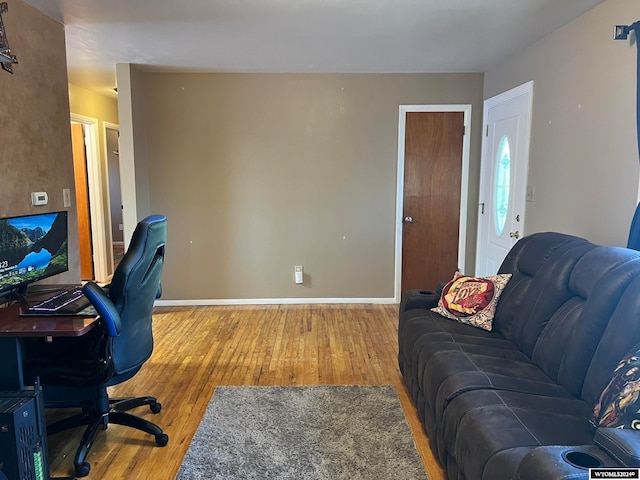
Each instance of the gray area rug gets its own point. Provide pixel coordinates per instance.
(319, 432)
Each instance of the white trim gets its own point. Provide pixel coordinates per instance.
(94, 179)
(464, 184)
(107, 194)
(270, 301)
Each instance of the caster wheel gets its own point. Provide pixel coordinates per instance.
(162, 439)
(83, 469)
(156, 407)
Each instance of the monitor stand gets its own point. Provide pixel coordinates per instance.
(20, 295)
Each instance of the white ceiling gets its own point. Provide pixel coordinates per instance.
(299, 36)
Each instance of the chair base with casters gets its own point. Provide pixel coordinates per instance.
(96, 420)
(98, 410)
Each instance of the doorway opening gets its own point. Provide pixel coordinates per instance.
(91, 227)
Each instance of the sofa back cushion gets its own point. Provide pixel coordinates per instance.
(541, 266)
(566, 345)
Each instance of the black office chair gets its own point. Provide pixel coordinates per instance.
(76, 372)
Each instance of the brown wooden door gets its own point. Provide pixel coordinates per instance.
(432, 181)
(82, 202)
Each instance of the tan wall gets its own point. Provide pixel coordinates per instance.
(35, 145)
(584, 158)
(91, 104)
(258, 173)
(99, 107)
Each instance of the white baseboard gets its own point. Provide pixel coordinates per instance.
(270, 301)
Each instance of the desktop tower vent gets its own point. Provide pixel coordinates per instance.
(23, 447)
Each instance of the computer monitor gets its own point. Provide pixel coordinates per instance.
(32, 247)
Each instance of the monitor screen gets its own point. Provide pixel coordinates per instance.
(32, 247)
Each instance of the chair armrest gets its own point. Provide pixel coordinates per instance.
(623, 444)
(105, 308)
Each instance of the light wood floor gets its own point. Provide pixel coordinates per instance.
(198, 348)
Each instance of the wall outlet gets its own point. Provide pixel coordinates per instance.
(298, 273)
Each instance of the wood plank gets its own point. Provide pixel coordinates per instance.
(199, 348)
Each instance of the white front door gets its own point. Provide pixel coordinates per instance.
(503, 176)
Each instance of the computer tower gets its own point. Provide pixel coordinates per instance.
(23, 436)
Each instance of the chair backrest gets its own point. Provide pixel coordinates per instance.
(133, 290)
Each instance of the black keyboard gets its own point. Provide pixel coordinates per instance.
(71, 300)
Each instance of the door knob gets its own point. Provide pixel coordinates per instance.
(409, 220)
(515, 234)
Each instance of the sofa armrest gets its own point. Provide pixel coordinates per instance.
(558, 462)
(424, 299)
(623, 444)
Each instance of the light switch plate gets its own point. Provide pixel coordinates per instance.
(531, 194)
(66, 195)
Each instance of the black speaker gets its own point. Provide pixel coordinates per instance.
(23, 436)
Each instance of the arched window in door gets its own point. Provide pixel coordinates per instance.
(502, 183)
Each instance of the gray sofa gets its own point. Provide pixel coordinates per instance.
(517, 402)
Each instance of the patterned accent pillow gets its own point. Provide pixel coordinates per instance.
(619, 404)
(472, 300)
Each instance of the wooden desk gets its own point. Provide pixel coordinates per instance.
(13, 328)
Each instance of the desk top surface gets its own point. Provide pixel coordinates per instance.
(13, 325)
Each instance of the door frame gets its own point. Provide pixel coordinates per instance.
(464, 184)
(96, 207)
(107, 198)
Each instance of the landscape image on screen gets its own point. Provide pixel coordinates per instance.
(32, 248)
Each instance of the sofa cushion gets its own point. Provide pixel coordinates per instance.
(450, 374)
(417, 328)
(619, 404)
(422, 334)
(472, 300)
